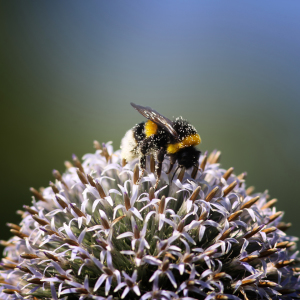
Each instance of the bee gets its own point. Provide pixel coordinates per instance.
(161, 137)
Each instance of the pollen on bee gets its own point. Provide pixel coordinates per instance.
(150, 128)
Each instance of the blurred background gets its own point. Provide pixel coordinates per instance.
(70, 68)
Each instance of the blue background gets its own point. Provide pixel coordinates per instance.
(70, 68)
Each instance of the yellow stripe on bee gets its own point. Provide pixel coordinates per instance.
(191, 140)
(150, 128)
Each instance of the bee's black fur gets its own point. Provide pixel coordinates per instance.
(168, 133)
(187, 157)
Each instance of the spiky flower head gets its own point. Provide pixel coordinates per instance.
(96, 234)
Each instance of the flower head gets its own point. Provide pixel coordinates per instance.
(98, 232)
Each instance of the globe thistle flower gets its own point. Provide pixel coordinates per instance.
(98, 232)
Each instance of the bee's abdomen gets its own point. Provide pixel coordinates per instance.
(129, 146)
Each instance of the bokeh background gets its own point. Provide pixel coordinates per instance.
(70, 68)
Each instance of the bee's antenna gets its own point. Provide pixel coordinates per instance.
(195, 170)
(175, 173)
(170, 168)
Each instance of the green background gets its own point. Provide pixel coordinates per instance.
(70, 68)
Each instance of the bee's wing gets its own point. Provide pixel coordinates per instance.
(156, 117)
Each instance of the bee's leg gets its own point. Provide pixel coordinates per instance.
(142, 166)
(160, 158)
(143, 148)
(172, 162)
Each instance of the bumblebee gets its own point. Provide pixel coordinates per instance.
(161, 137)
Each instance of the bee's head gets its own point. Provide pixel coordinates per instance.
(188, 157)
